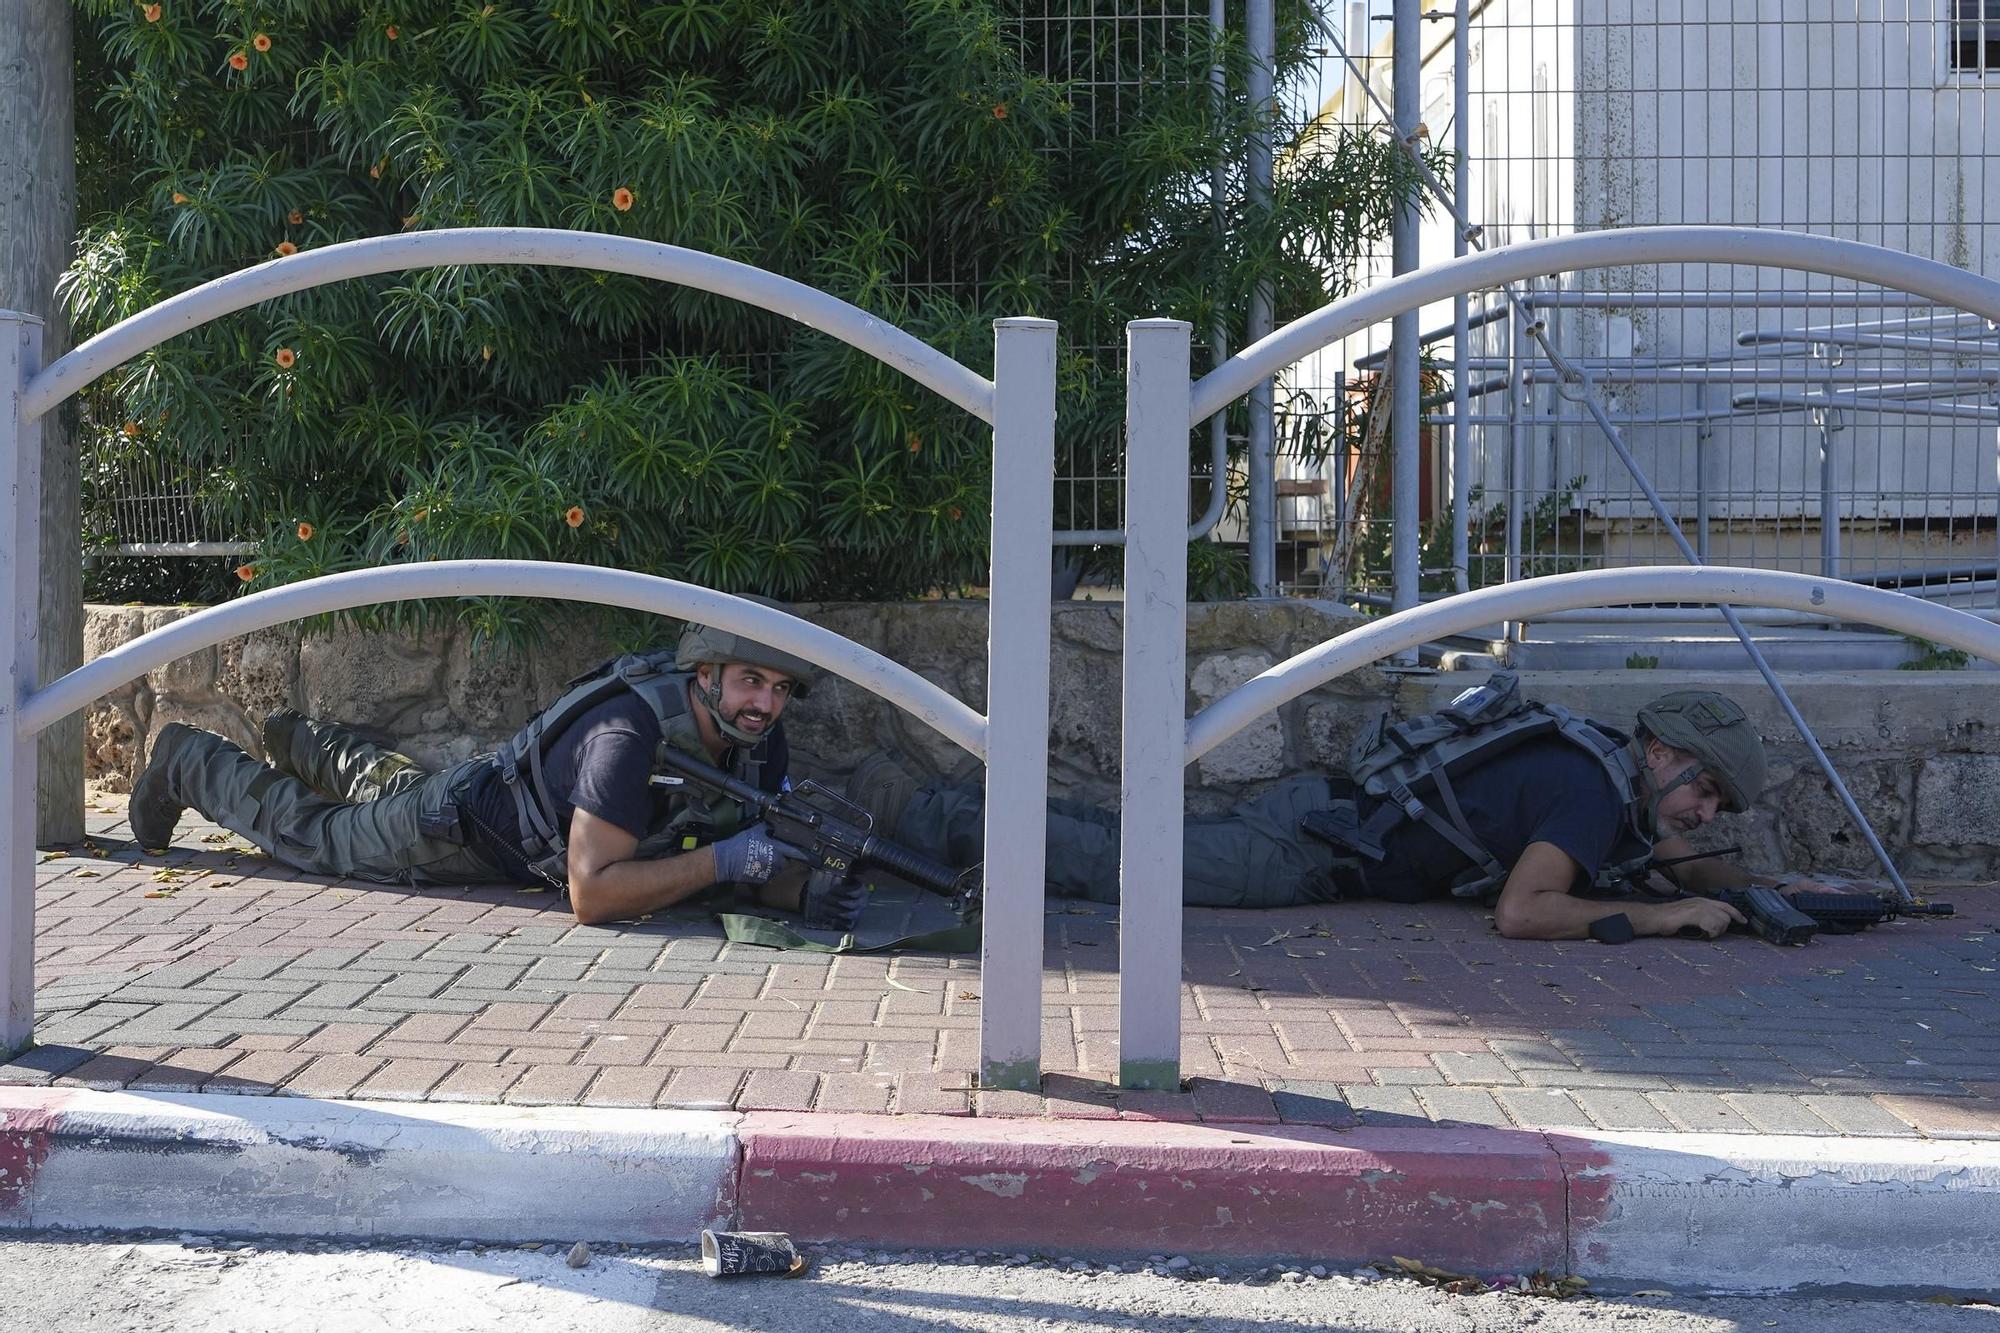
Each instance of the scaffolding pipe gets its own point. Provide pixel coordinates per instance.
(1260, 32)
(1405, 364)
(1461, 306)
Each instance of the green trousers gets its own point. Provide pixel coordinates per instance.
(1254, 856)
(336, 804)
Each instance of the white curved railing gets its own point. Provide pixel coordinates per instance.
(1948, 286)
(1162, 406)
(1019, 403)
(509, 578)
(510, 245)
(1851, 602)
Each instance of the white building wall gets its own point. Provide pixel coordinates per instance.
(1840, 119)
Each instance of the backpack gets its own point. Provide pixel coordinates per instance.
(1408, 766)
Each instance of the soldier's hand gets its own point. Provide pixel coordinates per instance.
(750, 857)
(1703, 916)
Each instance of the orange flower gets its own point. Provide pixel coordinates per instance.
(621, 199)
(295, 217)
(573, 516)
(180, 198)
(1000, 111)
(246, 572)
(914, 440)
(152, 13)
(286, 358)
(287, 248)
(390, 32)
(131, 429)
(262, 42)
(305, 532)
(238, 61)
(956, 513)
(420, 516)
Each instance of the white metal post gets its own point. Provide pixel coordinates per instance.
(1405, 359)
(1260, 34)
(1017, 703)
(20, 605)
(1155, 706)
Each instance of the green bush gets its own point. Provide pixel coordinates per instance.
(911, 157)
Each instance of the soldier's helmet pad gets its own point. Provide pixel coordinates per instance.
(1714, 729)
(706, 643)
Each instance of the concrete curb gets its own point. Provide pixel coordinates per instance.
(1687, 1211)
(294, 1166)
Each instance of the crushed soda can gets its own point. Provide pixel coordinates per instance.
(733, 1253)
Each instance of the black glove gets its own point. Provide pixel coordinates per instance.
(831, 901)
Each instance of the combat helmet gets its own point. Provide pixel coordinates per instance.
(716, 646)
(1717, 732)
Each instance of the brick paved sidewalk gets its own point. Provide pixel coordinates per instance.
(212, 969)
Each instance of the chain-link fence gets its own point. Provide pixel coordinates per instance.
(1789, 421)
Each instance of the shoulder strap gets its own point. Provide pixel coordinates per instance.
(649, 675)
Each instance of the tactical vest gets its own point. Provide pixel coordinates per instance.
(664, 689)
(1408, 767)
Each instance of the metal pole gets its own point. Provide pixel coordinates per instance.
(1405, 363)
(1017, 703)
(1828, 422)
(20, 622)
(1461, 309)
(1151, 799)
(1341, 462)
(1218, 331)
(1519, 404)
(1260, 31)
(1704, 436)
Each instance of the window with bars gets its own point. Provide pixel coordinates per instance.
(1973, 46)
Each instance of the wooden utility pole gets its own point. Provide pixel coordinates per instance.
(37, 231)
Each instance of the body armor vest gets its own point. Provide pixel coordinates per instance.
(1408, 767)
(689, 820)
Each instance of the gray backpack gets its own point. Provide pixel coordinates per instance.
(1409, 766)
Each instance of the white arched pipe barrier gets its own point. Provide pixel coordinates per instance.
(1019, 403)
(511, 245)
(507, 578)
(1947, 286)
(1852, 602)
(1149, 906)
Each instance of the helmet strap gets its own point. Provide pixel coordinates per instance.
(1649, 810)
(711, 703)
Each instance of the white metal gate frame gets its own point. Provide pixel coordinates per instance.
(1162, 406)
(1019, 403)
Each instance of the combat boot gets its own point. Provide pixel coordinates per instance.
(279, 726)
(154, 810)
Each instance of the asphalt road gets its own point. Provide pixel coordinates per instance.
(100, 1283)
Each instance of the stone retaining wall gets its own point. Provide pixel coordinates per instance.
(1914, 746)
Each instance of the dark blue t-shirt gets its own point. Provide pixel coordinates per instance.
(602, 763)
(1545, 790)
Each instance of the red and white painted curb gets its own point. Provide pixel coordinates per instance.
(1709, 1211)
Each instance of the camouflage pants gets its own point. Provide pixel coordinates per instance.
(336, 804)
(1254, 856)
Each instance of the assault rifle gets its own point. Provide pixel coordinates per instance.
(836, 838)
(1795, 918)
